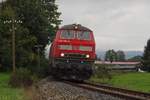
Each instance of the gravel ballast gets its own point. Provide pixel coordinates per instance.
(48, 89)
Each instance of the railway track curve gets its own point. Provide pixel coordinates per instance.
(114, 91)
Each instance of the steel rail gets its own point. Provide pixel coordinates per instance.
(114, 91)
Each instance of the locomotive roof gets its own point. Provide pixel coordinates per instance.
(75, 26)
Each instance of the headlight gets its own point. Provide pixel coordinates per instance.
(87, 56)
(65, 47)
(62, 54)
(85, 48)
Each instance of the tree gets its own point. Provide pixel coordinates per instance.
(120, 56)
(146, 57)
(40, 19)
(110, 55)
(5, 34)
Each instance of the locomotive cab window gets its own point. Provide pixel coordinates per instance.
(67, 34)
(84, 35)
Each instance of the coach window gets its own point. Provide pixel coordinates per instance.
(67, 34)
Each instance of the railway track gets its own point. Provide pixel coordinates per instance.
(114, 91)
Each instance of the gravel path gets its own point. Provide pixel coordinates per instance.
(49, 89)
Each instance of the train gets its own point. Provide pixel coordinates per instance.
(72, 53)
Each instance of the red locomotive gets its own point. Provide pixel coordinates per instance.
(72, 53)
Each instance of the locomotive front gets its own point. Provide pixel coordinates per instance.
(72, 53)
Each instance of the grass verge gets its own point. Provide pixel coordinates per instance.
(134, 81)
(7, 92)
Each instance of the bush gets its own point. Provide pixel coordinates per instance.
(145, 65)
(42, 70)
(102, 72)
(26, 76)
(22, 77)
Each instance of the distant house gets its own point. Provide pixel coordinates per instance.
(126, 66)
(117, 63)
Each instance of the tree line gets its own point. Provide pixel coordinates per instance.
(145, 63)
(112, 55)
(40, 20)
(144, 60)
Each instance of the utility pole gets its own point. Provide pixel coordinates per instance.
(13, 46)
(13, 22)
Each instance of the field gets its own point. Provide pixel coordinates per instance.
(6, 92)
(133, 81)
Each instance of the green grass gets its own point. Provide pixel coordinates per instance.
(133, 81)
(7, 92)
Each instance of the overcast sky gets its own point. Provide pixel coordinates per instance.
(117, 24)
(2, 0)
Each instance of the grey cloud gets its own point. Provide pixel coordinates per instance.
(2, 0)
(117, 24)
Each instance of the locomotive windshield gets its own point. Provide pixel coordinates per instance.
(67, 34)
(71, 34)
(83, 35)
